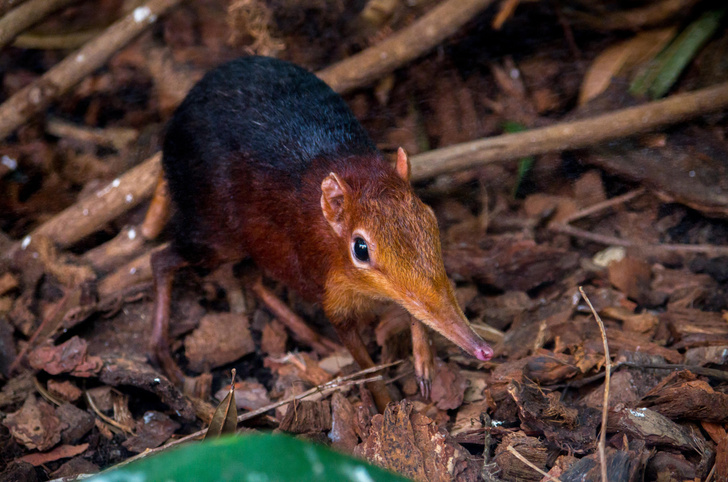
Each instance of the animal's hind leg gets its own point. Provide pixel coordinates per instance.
(351, 339)
(165, 264)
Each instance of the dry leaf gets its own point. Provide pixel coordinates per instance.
(225, 418)
(621, 57)
(62, 452)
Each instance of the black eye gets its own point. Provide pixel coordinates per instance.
(361, 250)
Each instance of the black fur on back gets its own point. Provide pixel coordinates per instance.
(274, 113)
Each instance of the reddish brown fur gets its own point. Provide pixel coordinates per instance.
(291, 180)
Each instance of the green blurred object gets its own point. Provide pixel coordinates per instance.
(524, 163)
(254, 458)
(662, 72)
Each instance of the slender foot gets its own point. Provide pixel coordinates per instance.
(164, 265)
(423, 359)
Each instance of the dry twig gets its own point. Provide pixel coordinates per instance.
(648, 249)
(607, 378)
(571, 135)
(92, 212)
(67, 73)
(405, 45)
(27, 15)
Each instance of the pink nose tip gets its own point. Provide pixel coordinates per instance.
(484, 354)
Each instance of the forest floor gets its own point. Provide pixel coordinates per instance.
(585, 186)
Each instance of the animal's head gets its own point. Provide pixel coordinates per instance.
(392, 247)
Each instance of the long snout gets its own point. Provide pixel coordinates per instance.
(461, 333)
(449, 320)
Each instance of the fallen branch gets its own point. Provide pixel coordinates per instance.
(27, 15)
(7, 5)
(571, 135)
(68, 72)
(647, 249)
(403, 46)
(92, 212)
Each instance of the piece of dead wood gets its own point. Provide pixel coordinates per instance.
(249, 395)
(409, 43)
(112, 253)
(681, 395)
(26, 15)
(7, 5)
(652, 427)
(67, 73)
(509, 264)
(570, 428)
(528, 448)
(123, 371)
(154, 429)
(621, 464)
(92, 212)
(307, 416)
(69, 357)
(114, 137)
(343, 431)
(411, 444)
(136, 271)
(571, 135)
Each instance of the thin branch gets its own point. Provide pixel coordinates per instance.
(407, 44)
(67, 73)
(92, 212)
(26, 15)
(7, 5)
(649, 249)
(531, 464)
(601, 206)
(607, 379)
(571, 135)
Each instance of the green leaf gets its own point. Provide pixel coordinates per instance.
(661, 73)
(259, 457)
(525, 163)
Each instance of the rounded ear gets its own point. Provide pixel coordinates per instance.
(403, 164)
(334, 196)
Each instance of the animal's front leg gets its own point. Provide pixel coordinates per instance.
(423, 359)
